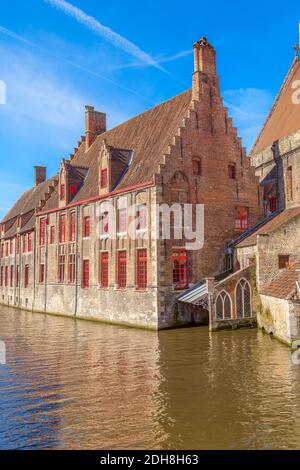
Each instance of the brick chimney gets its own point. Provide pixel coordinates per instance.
(204, 64)
(95, 124)
(40, 174)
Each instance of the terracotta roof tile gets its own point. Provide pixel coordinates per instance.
(148, 135)
(283, 285)
(284, 117)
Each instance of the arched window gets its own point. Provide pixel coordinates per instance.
(243, 299)
(223, 306)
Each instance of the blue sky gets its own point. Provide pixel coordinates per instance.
(123, 57)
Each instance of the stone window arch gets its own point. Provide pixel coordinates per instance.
(223, 306)
(243, 299)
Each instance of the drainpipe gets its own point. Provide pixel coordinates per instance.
(76, 261)
(34, 268)
(46, 267)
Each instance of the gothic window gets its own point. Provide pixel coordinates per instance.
(223, 306)
(243, 299)
(232, 171)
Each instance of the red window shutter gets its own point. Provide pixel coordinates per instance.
(180, 269)
(6, 276)
(87, 227)
(242, 218)
(122, 269)
(142, 269)
(86, 274)
(1, 280)
(72, 226)
(43, 231)
(11, 246)
(62, 229)
(104, 270)
(29, 242)
(103, 178)
(17, 275)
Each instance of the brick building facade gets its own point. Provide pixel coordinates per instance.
(57, 252)
(265, 284)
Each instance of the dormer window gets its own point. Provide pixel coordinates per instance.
(103, 178)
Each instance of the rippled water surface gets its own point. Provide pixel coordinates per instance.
(73, 384)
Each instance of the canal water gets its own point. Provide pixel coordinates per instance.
(71, 384)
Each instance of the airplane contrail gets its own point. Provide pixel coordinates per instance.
(105, 32)
(15, 36)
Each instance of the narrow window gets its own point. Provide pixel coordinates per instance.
(103, 178)
(42, 273)
(72, 227)
(72, 267)
(104, 270)
(142, 269)
(2, 276)
(26, 276)
(283, 261)
(272, 204)
(11, 246)
(61, 268)
(122, 269)
(42, 231)
(11, 276)
(180, 269)
(86, 227)
(122, 220)
(242, 218)
(62, 229)
(86, 274)
(52, 234)
(232, 171)
(290, 182)
(104, 224)
(29, 242)
(6, 276)
(24, 244)
(197, 167)
(141, 217)
(62, 192)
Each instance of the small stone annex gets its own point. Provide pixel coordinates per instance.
(57, 255)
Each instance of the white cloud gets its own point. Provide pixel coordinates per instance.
(105, 32)
(248, 107)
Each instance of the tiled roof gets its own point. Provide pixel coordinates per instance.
(283, 285)
(284, 117)
(269, 226)
(29, 200)
(148, 135)
(145, 137)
